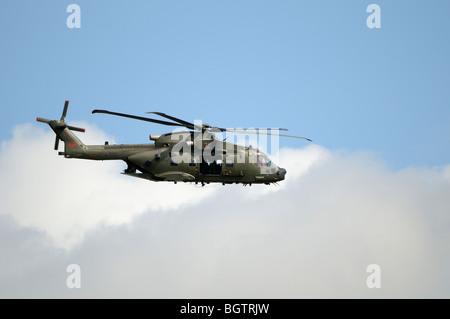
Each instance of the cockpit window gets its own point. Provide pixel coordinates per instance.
(265, 164)
(264, 160)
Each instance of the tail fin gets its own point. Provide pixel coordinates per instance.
(73, 146)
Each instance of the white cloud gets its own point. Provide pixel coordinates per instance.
(313, 236)
(67, 197)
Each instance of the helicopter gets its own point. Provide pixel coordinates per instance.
(195, 156)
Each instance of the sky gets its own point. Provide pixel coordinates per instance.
(372, 188)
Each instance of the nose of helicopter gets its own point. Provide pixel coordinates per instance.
(282, 173)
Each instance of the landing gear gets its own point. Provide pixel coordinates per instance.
(131, 169)
(213, 168)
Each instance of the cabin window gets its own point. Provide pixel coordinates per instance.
(229, 161)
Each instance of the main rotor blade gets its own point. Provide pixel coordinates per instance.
(221, 129)
(251, 129)
(265, 133)
(137, 118)
(66, 105)
(185, 123)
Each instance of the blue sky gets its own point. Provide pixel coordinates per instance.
(372, 188)
(311, 66)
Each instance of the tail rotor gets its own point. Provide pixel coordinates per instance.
(59, 125)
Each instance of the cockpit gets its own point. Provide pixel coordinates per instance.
(265, 164)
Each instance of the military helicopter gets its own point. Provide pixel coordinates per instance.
(183, 156)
